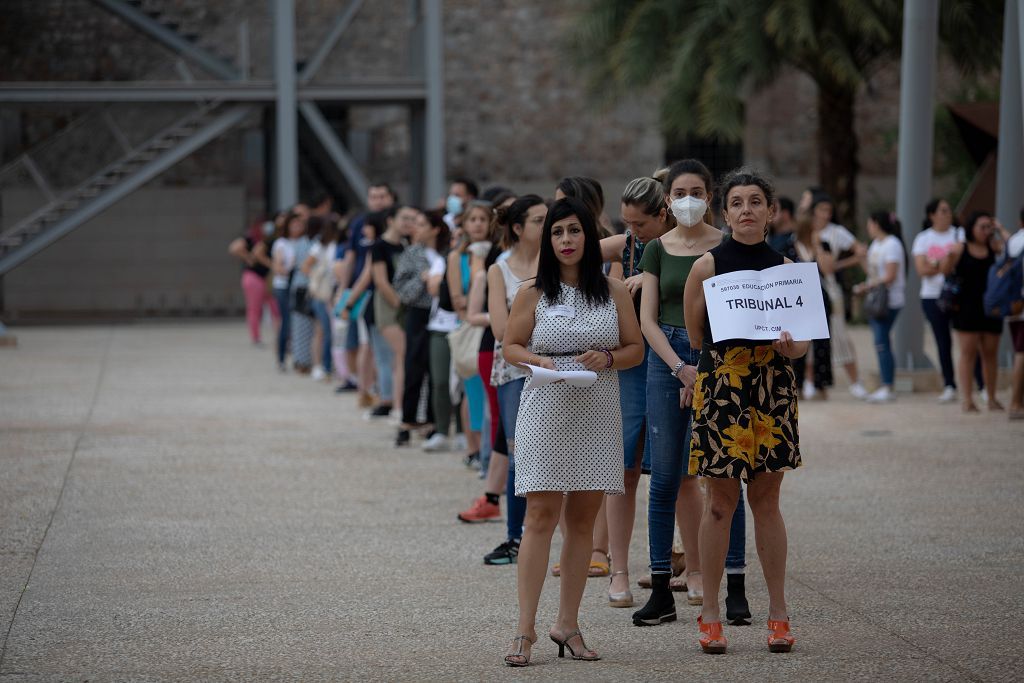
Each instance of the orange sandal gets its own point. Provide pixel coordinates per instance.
(712, 642)
(780, 639)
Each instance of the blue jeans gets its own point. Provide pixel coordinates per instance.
(324, 318)
(633, 405)
(668, 428)
(883, 346)
(940, 324)
(384, 357)
(508, 405)
(284, 305)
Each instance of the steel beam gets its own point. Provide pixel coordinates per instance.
(334, 148)
(1010, 155)
(398, 91)
(340, 24)
(286, 178)
(90, 209)
(914, 166)
(433, 58)
(172, 39)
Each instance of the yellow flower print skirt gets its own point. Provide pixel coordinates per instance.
(744, 413)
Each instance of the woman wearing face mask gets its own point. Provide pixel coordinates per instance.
(671, 365)
(568, 439)
(744, 399)
(252, 249)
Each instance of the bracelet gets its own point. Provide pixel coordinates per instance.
(608, 355)
(678, 366)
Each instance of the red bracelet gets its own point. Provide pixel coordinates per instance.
(608, 355)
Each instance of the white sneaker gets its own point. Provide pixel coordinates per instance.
(809, 390)
(318, 374)
(882, 395)
(459, 443)
(948, 395)
(983, 398)
(858, 391)
(437, 442)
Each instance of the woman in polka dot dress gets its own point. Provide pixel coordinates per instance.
(568, 439)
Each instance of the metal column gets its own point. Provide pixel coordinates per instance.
(914, 172)
(433, 43)
(286, 171)
(1010, 156)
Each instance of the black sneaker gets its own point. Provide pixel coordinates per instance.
(403, 438)
(660, 607)
(506, 553)
(346, 388)
(472, 460)
(377, 413)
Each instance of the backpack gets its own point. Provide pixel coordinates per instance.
(1003, 287)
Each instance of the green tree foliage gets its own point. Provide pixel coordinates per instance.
(703, 57)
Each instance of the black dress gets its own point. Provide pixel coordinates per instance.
(973, 275)
(745, 395)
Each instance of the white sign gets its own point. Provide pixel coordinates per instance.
(575, 378)
(759, 304)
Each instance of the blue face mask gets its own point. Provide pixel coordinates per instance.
(453, 205)
(268, 229)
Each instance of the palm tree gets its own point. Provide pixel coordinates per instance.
(704, 56)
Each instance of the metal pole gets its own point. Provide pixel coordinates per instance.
(1010, 156)
(286, 176)
(914, 170)
(434, 173)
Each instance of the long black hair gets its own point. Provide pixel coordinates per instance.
(592, 282)
(890, 225)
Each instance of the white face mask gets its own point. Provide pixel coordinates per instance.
(689, 210)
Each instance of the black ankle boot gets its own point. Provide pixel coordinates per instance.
(660, 607)
(737, 611)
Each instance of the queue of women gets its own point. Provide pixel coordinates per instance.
(441, 316)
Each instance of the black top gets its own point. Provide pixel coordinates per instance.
(257, 267)
(973, 275)
(385, 252)
(731, 256)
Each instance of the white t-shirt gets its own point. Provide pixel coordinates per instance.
(283, 249)
(935, 245)
(880, 254)
(838, 238)
(1015, 245)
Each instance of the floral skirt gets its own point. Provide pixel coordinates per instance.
(744, 413)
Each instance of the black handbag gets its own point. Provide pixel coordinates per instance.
(876, 303)
(949, 297)
(301, 303)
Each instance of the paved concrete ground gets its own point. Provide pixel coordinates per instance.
(172, 508)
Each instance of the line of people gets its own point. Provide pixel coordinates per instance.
(431, 317)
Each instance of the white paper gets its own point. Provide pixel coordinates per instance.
(759, 304)
(576, 378)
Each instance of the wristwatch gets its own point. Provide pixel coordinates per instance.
(678, 366)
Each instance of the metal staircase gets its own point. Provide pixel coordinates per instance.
(67, 211)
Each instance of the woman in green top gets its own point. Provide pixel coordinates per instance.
(672, 362)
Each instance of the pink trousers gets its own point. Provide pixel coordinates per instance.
(256, 296)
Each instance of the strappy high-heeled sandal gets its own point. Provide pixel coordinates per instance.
(712, 641)
(597, 568)
(585, 655)
(780, 639)
(519, 658)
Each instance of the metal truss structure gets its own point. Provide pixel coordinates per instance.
(225, 103)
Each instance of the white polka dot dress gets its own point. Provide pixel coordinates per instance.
(570, 438)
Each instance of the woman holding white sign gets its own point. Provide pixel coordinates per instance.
(744, 401)
(568, 438)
